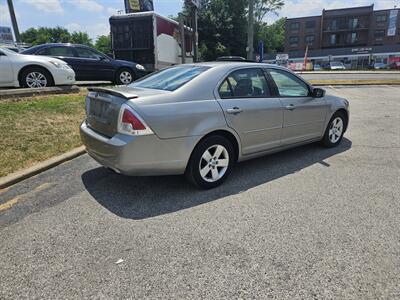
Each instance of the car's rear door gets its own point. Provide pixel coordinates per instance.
(251, 109)
(304, 115)
(64, 53)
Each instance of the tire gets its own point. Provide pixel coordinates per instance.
(335, 130)
(215, 166)
(124, 77)
(36, 77)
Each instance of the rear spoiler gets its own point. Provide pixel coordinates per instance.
(114, 92)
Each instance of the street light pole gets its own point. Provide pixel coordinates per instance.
(250, 31)
(14, 21)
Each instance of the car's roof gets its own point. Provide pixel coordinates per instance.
(61, 45)
(234, 64)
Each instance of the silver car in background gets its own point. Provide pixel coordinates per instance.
(201, 119)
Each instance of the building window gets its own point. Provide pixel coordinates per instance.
(310, 24)
(352, 38)
(294, 26)
(353, 23)
(379, 34)
(332, 39)
(380, 18)
(310, 39)
(334, 25)
(294, 41)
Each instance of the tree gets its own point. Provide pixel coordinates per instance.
(273, 36)
(264, 7)
(103, 44)
(43, 35)
(222, 28)
(78, 37)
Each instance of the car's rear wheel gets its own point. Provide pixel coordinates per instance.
(211, 162)
(36, 77)
(125, 77)
(335, 130)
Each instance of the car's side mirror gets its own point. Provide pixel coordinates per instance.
(318, 93)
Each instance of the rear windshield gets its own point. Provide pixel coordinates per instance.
(170, 79)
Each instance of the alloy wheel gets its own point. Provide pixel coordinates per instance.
(214, 163)
(125, 77)
(336, 130)
(36, 80)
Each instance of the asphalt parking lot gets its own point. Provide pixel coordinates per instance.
(308, 223)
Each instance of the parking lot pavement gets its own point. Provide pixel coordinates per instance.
(307, 223)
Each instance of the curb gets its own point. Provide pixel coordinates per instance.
(26, 92)
(40, 167)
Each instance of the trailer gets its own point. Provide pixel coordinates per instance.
(149, 39)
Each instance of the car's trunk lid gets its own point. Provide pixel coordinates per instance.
(103, 107)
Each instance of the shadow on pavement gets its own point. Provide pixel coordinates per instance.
(146, 197)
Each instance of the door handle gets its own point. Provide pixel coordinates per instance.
(234, 111)
(291, 107)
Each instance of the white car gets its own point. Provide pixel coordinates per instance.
(31, 71)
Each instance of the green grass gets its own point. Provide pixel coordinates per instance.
(35, 129)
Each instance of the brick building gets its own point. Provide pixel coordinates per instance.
(353, 35)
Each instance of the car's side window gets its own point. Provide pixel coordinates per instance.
(289, 85)
(245, 83)
(86, 53)
(57, 51)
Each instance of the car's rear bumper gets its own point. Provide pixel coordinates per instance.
(138, 155)
(63, 76)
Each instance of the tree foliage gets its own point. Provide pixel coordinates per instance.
(103, 44)
(57, 34)
(223, 27)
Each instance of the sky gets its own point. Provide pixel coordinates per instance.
(91, 16)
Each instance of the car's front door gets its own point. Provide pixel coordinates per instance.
(251, 109)
(304, 115)
(93, 65)
(6, 70)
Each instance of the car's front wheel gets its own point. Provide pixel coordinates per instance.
(211, 162)
(36, 78)
(124, 77)
(335, 130)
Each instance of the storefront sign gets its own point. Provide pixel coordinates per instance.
(361, 50)
(392, 22)
(138, 5)
(6, 36)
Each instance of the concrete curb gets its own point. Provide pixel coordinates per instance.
(40, 167)
(21, 93)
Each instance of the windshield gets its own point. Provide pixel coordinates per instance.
(336, 64)
(170, 79)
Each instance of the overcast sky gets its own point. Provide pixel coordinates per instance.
(92, 15)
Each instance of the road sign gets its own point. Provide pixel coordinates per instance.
(6, 36)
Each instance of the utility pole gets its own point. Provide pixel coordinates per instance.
(182, 32)
(196, 34)
(14, 21)
(250, 31)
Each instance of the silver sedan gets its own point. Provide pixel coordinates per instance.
(201, 119)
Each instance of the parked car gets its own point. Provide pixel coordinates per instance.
(335, 65)
(29, 71)
(231, 58)
(395, 65)
(200, 119)
(317, 67)
(90, 64)
(380, 66)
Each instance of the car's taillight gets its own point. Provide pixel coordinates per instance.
(131, 123)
